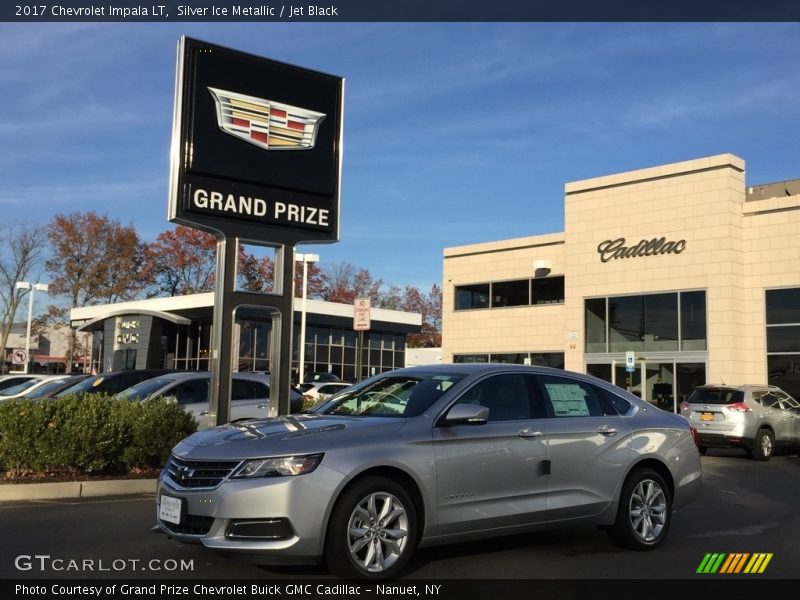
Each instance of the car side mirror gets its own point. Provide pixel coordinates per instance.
(171, 399)
(467, 414)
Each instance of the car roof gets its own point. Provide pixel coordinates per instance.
(177, 376)
(479, 368)
(741, 386)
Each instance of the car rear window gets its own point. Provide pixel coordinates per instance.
(716, 396)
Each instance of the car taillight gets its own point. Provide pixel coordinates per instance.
(739, 407)
(695, 436)
(684, 405)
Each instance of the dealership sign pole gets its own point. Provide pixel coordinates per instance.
(256, 158)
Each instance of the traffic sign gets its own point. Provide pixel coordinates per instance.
(19, 357)
(361, 314)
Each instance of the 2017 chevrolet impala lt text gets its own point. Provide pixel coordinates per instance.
(431, 455)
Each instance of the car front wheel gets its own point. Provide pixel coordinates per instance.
(372, 532)
(645, 511)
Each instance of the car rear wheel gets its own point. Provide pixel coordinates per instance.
(645, 511)
(765, 445)
(373, 531)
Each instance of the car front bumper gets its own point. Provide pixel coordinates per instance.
(273, 519)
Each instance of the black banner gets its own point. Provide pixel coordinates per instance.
(463, 589)
(405, 10)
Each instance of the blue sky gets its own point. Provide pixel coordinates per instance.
(454, 133)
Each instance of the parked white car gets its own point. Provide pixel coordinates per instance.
(249, 393)
(314, 393)
(27, 383)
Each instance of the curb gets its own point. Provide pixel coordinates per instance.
(76, 489)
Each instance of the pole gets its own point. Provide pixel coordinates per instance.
(302, 349)
(28, 334)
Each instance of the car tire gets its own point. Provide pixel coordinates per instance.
(372, 532)
(764, 446)
(644, 514)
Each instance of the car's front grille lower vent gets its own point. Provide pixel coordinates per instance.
(197, 473)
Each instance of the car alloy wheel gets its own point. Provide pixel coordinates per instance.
(765, 445)
(377, 532)
(373, 530)
(645, 511)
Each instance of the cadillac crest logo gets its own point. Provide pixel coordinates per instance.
(267, 124)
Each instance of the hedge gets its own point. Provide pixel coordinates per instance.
(88, 434)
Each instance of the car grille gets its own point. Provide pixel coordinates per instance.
(194, 525)
(198, 474)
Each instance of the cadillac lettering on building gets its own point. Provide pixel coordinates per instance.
(613, 249)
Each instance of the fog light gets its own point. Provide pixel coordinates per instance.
(266, 529)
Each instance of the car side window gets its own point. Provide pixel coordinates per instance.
(505, 395)
(769, 400)
(191, 392)
(241, 390)
(573, 398)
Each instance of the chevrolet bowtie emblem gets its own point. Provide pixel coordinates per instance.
(267, 124)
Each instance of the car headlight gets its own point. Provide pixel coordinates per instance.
(279, 466)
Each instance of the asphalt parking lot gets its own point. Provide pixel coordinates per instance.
(745, 506)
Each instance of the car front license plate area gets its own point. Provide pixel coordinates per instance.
(170, 509)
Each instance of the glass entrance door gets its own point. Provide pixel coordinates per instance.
(660, 385)
(666, 383)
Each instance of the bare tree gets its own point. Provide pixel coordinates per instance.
(21, 251)
(344, 282)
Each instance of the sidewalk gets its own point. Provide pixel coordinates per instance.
(75, 489)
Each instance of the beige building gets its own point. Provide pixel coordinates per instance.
(683, 265)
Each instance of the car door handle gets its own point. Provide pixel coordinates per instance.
(530, 434)
(606, 430)
(203, 413)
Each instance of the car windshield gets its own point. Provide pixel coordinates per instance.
(142, 390)
(390, 396)
(716, 396)
(45, 389)
(13, 390)
(82, 386)
(11, 382)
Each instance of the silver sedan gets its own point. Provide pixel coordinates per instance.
(431, 455)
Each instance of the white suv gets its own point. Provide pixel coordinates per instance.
(754, 417)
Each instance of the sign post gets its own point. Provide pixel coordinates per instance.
(256, 157)
(362, 308)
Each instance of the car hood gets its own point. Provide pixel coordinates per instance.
(283, 435)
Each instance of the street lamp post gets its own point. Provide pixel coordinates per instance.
(25, 285)
(305, 258)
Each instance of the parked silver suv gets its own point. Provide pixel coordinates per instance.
(754, 417)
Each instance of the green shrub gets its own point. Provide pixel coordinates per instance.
(91, 433)
(26, 434)
(88, 434)
(155, 426)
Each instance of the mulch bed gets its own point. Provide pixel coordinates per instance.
(61, 477)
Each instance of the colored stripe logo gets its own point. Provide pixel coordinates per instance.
(723, 563)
